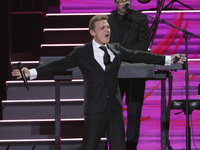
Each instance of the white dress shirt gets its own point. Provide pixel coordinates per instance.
(99, 53)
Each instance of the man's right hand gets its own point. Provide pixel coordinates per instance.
(16, 73)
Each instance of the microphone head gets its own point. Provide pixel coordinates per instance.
(127, 4)
(19, 65)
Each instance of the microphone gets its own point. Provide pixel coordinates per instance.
(127, 4)
(128, 8)
(177, 59)
(19, 65)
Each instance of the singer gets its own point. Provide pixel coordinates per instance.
(131, 30)
(99, 62)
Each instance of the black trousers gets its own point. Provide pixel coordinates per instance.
(134, 90)
(108, 121)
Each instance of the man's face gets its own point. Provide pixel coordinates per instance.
(120, 4)
(101, 33)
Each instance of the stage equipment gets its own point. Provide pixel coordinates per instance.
(127, 70)
(186, 33)
(172, 2)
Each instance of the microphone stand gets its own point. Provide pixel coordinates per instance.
(172, 2)
(186, 33)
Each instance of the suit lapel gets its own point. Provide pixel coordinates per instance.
(112, 48)
(115, 62)
(92, 61)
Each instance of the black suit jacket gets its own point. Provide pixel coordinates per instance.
(100, 86)
(135, 34)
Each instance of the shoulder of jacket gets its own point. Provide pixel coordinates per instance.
(114, 45)
(82, 50)
(85, 46)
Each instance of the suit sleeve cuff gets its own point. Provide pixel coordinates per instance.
(33, 74)
(168, 60)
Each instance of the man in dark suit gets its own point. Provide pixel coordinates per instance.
(131, 30)
(102, 101)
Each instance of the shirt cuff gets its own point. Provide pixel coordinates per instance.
(168, 60)
(33, 74)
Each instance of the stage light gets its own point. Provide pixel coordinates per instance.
(144, 1)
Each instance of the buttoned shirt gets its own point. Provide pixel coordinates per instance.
(99, 53)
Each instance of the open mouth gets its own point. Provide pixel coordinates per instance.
(107, 35)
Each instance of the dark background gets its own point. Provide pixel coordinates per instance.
(21, 32)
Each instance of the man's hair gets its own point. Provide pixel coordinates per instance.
(95, 19)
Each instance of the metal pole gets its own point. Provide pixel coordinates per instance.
(57, 117)
(163, 115)
(188, 134)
